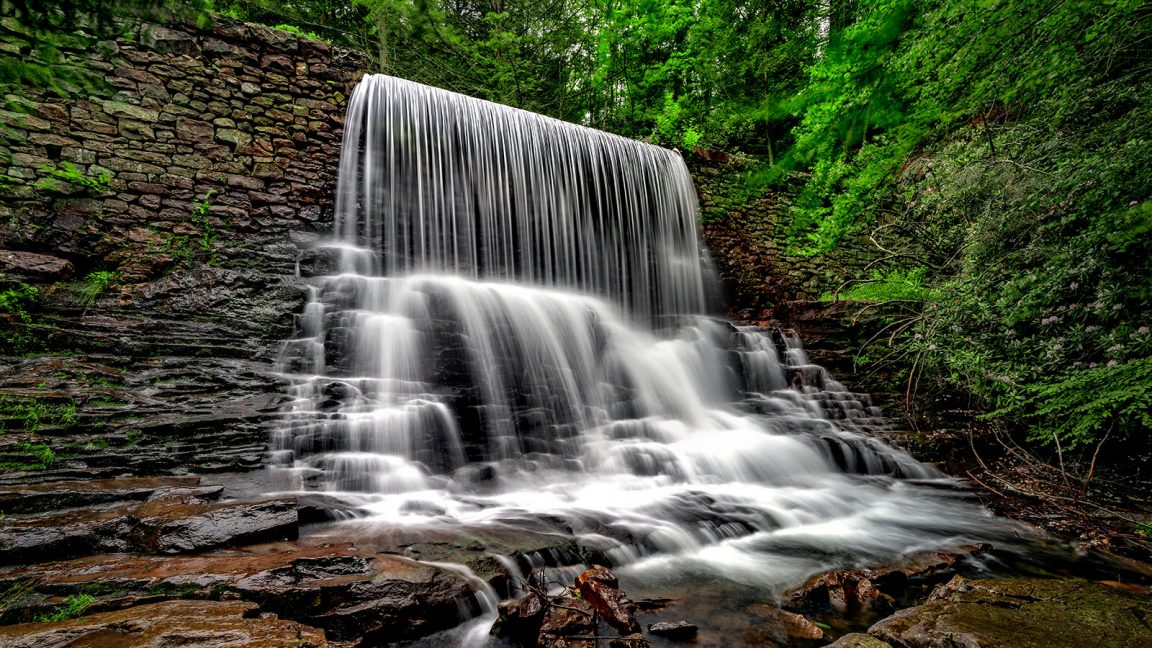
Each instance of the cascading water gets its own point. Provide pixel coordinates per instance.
(517, 336)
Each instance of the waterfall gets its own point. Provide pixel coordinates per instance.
(516, 333)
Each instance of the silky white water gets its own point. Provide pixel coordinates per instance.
(517, 340)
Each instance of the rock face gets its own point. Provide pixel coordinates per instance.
(159, 217)
(1019, 613)
(747, 233)
(170, 623)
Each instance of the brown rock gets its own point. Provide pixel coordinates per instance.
(520, 620)
(348, 592)
(164, 526)
(847, 591)
(38, 267)
(784, 625)
(566, 617)
(170, 623)
(600, 587)
(634, 640)
(33, 498)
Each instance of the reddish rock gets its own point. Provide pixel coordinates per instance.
(350, 593)
(165, 526)
(848, 591)
(600, 587)
(567, 617)
(169, 623)
(35, 498)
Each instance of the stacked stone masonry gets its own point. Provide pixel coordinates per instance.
(220, 145)
(746, 231)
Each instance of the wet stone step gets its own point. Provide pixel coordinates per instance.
(170, 623)
(38, 498)
(349, 592)
(170, 526)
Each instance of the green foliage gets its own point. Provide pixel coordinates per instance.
(894, 285)
(73, 607)
(96, 283)
(15, 301)
(34, 413)
(293, 29)
(906, 72)
(16, 320)
(44, 456)
(694, 73)
(1081, 407)
(200, 211)
(999, 159)
(67, 173)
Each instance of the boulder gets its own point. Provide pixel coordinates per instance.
(1019, 613)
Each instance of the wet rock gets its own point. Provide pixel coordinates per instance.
(675, 630)
(169, 623)
(875, 591)
(1021, 612)
(165, 526)
(316, 508)
(847, 592)
(600, 587)
(567, 617)
(148, 416)
(32, 266)
(520, 621)
(348, 592)
(635, 640)
(858, 640)
(783, 626)
(49, 496)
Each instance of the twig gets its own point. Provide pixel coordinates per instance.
(1092, 465)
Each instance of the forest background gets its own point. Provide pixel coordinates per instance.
(996, 153)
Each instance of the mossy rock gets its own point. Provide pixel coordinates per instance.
(1022, 613)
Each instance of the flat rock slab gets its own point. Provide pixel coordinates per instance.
(858, 640)
(349, 592)
(169, 623)
(51, 496)
(15, 264)
(170, 526)
(1021, 613)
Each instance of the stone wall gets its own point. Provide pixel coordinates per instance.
(159, 215)
(746, 232)
(220, 146)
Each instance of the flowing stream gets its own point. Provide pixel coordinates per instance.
(516, 337)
